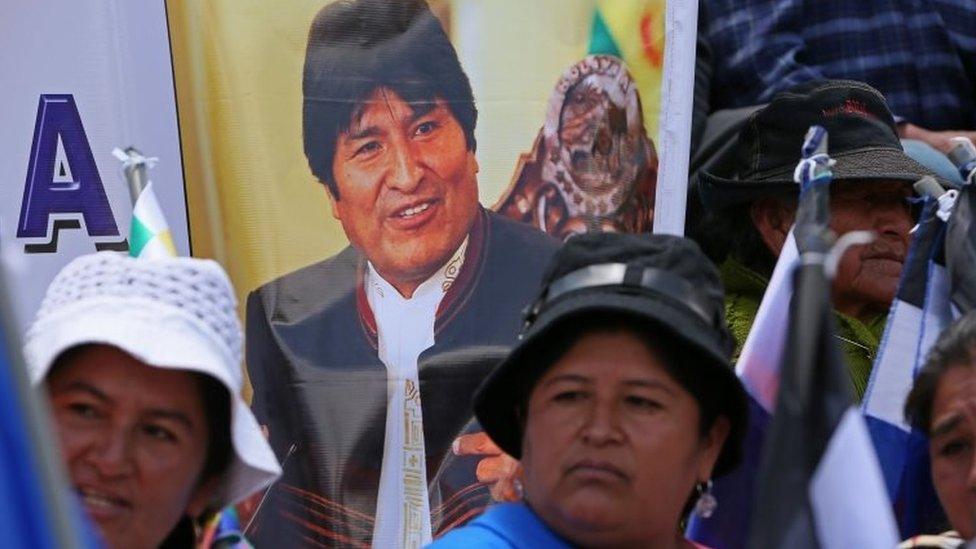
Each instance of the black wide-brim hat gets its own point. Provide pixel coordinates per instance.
(668, 285)
(862, 139)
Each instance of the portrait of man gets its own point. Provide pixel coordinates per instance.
(364, 364)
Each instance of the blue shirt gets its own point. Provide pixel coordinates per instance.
(921, 54)
(504, 525)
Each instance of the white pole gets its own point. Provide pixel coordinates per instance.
(674, 131)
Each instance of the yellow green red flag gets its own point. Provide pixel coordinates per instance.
(633, 30)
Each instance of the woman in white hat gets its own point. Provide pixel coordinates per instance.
(141, 361)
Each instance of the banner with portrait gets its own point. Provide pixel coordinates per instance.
(385, 182)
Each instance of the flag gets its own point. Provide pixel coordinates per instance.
(149, 234)
(918, 313)
(37, 507)
(821, 484)
(960, 250)
(633, 30)
(758, 368)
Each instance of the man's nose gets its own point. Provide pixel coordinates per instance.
(602, 424)
(406, 171)
(893, 219)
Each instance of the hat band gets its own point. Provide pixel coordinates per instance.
(622, 274)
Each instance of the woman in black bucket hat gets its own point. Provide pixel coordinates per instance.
(619, 399)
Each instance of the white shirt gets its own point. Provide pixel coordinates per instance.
(405, 328)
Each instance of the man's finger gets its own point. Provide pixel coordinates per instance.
(475, 444)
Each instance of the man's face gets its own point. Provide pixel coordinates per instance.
(611, 448)
(134, 440)
(408, 191)
(867, 276)
(951, 447)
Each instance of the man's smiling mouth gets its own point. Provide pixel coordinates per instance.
(413, 210)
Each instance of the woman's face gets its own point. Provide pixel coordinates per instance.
(952, 436)
(612, 449)
(134, 440)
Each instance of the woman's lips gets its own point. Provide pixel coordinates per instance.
(597, 470)
(103, 505)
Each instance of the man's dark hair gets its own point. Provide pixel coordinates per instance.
(956, 347)
(356, 47)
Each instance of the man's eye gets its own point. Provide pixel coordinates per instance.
(367, 148)
(159, 433)
(425, 128)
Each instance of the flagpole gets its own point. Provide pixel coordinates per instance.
(674, 129)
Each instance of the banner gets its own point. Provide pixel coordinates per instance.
(82, 79)
(385, 183)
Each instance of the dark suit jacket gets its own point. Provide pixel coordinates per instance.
(321, 388)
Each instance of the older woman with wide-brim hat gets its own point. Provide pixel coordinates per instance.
(141, 361)
(619, 400)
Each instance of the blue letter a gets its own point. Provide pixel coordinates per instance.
(62, 177)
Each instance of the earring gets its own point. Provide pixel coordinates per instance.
(706, 504)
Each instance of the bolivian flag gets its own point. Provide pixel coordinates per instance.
(633, 30)
(149, 235)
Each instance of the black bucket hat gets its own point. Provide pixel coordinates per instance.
(863, 140)
(663, 281)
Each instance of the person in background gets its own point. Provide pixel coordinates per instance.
(619, 399)
(942, 405)
(750, 208)
(141, 361)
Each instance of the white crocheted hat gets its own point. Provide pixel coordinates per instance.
(173, 312)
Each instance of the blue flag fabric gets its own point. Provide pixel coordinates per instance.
(917, 315)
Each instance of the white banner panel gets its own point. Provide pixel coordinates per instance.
(80, 78)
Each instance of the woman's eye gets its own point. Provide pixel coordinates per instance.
(569, 396)
(642, 402)
(953, 448)
(159, 433)
(81, 409)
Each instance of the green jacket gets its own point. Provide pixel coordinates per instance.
(744, 290)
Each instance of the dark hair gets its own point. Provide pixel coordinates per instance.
(216, 406)
(356, 47)
(730, 232)
(956, 347)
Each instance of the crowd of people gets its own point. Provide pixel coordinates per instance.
(458, 378)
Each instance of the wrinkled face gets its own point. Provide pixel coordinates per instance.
(951, 442)
(612, 449)
(134, 440)
(408, 194)
(867, 276)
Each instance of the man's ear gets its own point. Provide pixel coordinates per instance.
(202, 497)
(333, 201)
(772, 218)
